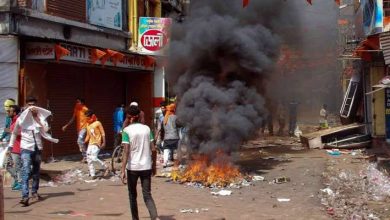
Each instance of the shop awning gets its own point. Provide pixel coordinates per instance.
(366, 47)
(383, 84)
(385, 46)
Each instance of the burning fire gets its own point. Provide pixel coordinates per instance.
(217, 172)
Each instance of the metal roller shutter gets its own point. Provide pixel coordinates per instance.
(65, 83)
(105, 89)
(70, 9)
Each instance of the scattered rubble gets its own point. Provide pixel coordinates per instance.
(222, 193)
(350, 193)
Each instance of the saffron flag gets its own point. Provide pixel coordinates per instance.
(245, 3)
(96, 55)
(115, 55)
(60, 52)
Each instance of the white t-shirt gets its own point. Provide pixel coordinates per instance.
(138, 136)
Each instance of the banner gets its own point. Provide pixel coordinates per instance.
(372, 16)
(81, 54)
(154, 35)
(106, 13)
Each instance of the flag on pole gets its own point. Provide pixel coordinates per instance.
(60, 52)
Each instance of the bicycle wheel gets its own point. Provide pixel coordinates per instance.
(116, 159)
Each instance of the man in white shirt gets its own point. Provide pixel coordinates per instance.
(137, 162)
(32, 127)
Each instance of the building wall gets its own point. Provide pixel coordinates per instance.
(378, 101)
(9, 68)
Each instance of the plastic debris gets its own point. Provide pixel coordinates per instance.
(280, 180)
(196, 210)
(283, 199)
(258, 178)
(222, 193)
(334, 152)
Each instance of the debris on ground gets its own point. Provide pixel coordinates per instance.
(196, 210)
(283, 199)
(222, 193)
(334, 152)
(280, 180)
(359, 193)
(77, 176)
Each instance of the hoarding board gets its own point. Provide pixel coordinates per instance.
(154, 35)
(105, 13)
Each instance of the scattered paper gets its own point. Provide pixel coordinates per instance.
(222, 193)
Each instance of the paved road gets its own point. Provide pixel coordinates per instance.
(108, 199)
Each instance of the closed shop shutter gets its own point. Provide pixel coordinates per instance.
(65, 84)
(105, 90)
(70, 9)
(139, 89)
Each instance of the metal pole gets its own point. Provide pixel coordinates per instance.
(1, 198)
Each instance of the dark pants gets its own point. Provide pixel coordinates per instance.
(132, 178)
(292, 125)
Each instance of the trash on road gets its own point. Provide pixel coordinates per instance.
(280, 180)
(283, 199)
(258, 178)
(197, 210)
(334, 152)
(222, 193)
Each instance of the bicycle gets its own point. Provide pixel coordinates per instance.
(116, 158)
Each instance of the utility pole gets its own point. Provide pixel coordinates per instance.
(1, 198)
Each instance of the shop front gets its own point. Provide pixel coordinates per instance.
(58, 80)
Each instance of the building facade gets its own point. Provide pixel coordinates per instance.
(60, 50)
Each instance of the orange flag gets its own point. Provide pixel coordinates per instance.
(309, 1)
(115, 55)
(149, 61)
(337, 2)
(245, 3)
(60, 52)
(96, 54)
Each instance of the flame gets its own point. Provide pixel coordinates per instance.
(217, 172)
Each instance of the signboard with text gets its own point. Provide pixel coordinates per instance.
(105, 13)
(81, 54)
(154, 35)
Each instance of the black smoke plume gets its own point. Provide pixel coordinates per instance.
(220, 58)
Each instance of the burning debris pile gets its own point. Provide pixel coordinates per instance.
(216, 173)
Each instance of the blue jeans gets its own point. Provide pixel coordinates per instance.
(31, 166)
(15, 169)
(80, 142)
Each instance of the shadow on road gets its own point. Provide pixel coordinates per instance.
(259, 160)
(19, 212)
(167, 217)
(52, 195)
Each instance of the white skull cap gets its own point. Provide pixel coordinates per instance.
(133, 104)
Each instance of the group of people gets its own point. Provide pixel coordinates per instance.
(282, 113)
(24, 129)
(91, 136)
(138, 142)
(167, 129)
